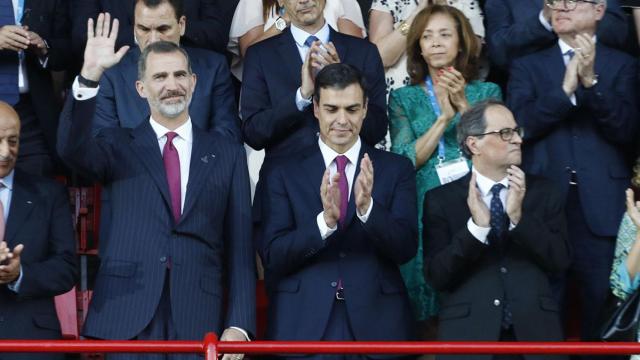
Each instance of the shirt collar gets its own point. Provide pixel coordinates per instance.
(485, 184)
(185, 131)
(300, 36)
(564, 47)
(8, 180)
(328, 154)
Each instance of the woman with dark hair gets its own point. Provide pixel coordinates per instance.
(442, 58)
(626, 263)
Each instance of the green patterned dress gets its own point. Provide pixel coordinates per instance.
(410, 116)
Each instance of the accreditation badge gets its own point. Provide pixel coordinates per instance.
(449, 171)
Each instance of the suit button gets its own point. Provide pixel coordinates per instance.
(496, 302)
(334, 284)
(163, 259)
(342, 254)
(503, 270)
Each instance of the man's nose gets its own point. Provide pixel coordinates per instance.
(154, 36)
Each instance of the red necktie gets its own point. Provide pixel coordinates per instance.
(343, 186)
(172, 169)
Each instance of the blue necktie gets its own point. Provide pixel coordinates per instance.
(310, 41)
(8, 60)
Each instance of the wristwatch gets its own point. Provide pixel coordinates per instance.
(281, 24)
(87, 83)
(404, 28)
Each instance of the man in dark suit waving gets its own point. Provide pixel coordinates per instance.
(335, 234)
(492, 237)
(180, 203)
(37, 249)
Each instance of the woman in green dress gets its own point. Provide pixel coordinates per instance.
(442, 63)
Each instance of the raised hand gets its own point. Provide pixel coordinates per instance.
(306, 74)
(322, 55)
(447, 112)
(364, 185)
(330, 195)
(100, 54)
(586, 54)
(515, 196)
(570, 81)
(479, 210)
(454, 82)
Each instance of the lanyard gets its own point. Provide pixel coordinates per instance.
(436, 108)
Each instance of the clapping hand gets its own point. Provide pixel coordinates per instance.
(330, 195)
(363, 185)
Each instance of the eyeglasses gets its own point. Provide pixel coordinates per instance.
(506, 134)
(568, 4)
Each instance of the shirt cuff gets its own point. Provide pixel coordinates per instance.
(623, 274)
(478, 232)
(325, 231)
(301, 103)
(83, 93)
(365, 217)
(15, 286)
(544, 21)
(246, 334)
(572, 98)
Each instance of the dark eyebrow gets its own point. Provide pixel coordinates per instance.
(158, 74)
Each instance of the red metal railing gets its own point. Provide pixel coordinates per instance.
(211, 347)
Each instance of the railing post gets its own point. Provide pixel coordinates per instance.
(211, 346)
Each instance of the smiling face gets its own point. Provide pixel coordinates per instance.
(167, 85)
(157, 23)
(306, 14)
(440, 41)
(340, 113)
(583, 19)
(9, 139)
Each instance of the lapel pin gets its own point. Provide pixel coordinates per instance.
(204, 159)
(29, 202)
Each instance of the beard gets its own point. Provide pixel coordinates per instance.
(171, 110)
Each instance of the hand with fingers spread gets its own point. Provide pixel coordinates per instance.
(515, 195)
(363, 186)
(586, 59)
(330, 195)
(10, 271)
(231, 334)
(13, 37)
(479, 210)
(454, 82)
(100, 54)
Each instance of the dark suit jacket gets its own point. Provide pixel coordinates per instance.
(212, 108)
(40, 219)
(514, 30)
(271, 120)
(209, 246)
(208, 22)
(301, 269)
(473, 280)
(50, 20)
(594, 138)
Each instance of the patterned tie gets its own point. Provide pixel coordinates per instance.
(498, 226)
(343, 186)
(310, 40)
(9, 64)
(570, 53)
(172, 169)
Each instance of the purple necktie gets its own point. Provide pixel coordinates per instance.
(172, 168)
(343, 186)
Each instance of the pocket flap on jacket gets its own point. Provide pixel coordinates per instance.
(118, 268)
(455, 311)
(288, 285)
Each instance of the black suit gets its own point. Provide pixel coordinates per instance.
(40, 219)
(39, 111)
(475, 281)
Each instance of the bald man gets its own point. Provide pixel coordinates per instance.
(37, 250)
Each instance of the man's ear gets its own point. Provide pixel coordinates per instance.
(316, 108)
(471, 142)
(182, 23)
(140, 89)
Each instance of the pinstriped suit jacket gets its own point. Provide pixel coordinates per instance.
(209, 246)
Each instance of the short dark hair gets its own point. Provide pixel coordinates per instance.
(338, 76)
(160, 47)
(177, 5)
(468, 45)
(474, 121)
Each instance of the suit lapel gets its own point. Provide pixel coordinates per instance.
(557, 68)
(203, 158)
(351, 207)
(145, 146)
(289, 54)
(22, 202)
(337, 39)
(313, 165)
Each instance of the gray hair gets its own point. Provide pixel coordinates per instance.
(474, 122)
(160, 47)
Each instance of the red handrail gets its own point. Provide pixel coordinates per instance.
(210, 347)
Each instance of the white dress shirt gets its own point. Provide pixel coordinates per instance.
(300, 36)
(329, 156)
(484, 186)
